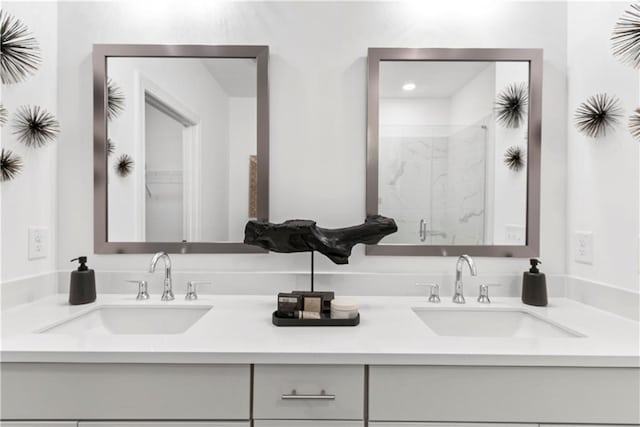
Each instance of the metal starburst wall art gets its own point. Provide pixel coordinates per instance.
(625, 38)
(511, 105)
(111, 147)
(10, 165)
(20, 56)
(515, 158)
(634, 124)
(115, 100)
(598, 114)
(35, 127)
(124, 165)
(4, 115)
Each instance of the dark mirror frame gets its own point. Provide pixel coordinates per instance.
(101, 52)
(534, 58)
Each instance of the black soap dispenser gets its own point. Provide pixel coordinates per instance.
(82, 286)
(534, 285)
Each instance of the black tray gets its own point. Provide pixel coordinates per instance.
(284, 321)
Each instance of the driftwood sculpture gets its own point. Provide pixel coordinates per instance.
(301, 235)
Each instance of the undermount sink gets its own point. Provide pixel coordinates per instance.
(513, 323)
(125, 320)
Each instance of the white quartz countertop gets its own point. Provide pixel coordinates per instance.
(238, 329)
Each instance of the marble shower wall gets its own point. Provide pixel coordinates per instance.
(412, 186)
(438, 179)
(467, 185)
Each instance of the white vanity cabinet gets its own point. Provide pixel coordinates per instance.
(38, 424)
(145, 391)
(503, 394)
(307, 423)
(411, 424)
(163, 424)
(56, 394)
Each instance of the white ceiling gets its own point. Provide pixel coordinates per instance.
(237, 76)
(433, 79)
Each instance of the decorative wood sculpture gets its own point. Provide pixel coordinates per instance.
(301, 235)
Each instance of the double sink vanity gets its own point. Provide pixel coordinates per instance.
(218, 361)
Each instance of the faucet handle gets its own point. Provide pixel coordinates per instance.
(434, 291)
(483, 295)
(191, 289)
(143, 291)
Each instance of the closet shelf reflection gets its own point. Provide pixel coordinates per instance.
(164, 177)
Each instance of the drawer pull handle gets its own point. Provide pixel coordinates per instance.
(295, 396)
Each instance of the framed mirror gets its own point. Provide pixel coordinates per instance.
(453, 150)
(181, 147)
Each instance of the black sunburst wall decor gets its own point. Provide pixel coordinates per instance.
(4, 115)
(35, 127)
(20, 56)
(115, 100)
(515, 158)
(10, 165)
(598, 114)
(111, 147)
(124, 165)
(511, 105)
(634, 124)
(625, 39)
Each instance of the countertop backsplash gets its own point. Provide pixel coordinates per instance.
(606, 297)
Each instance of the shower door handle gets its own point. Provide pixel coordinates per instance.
(422, 230)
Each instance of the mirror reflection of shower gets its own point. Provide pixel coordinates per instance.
(441, 173)
(435, 183)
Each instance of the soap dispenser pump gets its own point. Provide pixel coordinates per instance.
(82, 285)
(534, 285)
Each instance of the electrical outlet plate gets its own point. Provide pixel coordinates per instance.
(515, 234)
(38, 242)
(583, 247)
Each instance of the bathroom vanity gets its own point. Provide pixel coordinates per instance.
(402, 366)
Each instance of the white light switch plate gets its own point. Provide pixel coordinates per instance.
(583, 247)
(38, 242)
(515, 234)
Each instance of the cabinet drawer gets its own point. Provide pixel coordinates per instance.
(164, 424)
(75, 391)
(307, 423)
(411, 424)
(296, 392)
(38, 424)
(504, 394)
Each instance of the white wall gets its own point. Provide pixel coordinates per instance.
(30, 199)
(242, 145)
(318, 117)
(473, 101)
(509, 187)
(603, 173)
(164, 201)
(414, 117)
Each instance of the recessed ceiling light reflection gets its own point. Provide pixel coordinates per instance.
(409, 86)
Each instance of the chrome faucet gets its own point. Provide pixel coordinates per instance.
(167, 292)
(458, 296)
